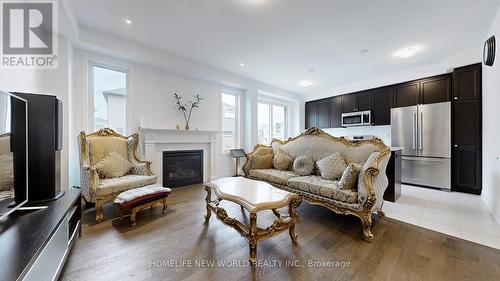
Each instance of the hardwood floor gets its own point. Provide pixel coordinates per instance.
(160, 247)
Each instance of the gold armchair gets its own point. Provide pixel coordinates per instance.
(92, 149)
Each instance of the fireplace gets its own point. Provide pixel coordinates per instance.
(182, 167)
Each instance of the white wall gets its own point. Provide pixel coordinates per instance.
(50, 82)
(491, 128)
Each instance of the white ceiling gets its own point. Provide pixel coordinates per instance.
(280, 40)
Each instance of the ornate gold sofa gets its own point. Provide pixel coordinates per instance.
(372, 180)
(93, 148)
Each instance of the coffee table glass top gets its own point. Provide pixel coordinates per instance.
(252, 194)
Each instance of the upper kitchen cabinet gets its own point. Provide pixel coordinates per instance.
(324, 113)
(336, 112)
(364, 100)
(406, 94)
(311, 114)
(349, 103)
(381, 106)
(424, 91)
(356, 102)
(467, 82)
(435, 89)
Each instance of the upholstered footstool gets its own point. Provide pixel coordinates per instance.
(140, 198)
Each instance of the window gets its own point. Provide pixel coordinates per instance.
(109, 99)
(271, 122)
(229, 120)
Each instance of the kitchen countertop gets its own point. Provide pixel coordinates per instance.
(395, 148)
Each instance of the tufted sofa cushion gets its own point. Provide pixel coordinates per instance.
(319, 147)
(273, 175)
(303, 165)
(282, 161)
(320, 186)
(332, 167)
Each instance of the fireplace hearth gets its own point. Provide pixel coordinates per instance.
(182, 167)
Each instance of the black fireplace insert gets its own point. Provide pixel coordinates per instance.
(182, 167)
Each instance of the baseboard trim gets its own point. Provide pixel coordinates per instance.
(490, 208)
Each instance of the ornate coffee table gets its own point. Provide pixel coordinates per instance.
(255, 196)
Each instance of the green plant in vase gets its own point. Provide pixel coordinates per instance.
(187, 108)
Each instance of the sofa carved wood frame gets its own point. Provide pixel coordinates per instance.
(89, 175)
(365, 214)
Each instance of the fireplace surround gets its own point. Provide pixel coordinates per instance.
(182, 167)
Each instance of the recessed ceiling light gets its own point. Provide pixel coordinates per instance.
(311, 70)
(306, 83)
(242, 64)
(407, 52)
(364, 51)
(127, 21)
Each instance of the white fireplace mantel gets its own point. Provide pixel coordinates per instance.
(155, 141)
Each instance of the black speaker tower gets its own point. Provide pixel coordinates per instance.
(45, 119)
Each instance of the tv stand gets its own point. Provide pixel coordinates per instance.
(35, 244)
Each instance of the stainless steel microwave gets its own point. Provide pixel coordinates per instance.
(359, 118)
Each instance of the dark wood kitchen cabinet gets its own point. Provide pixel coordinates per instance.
(324, 114)
(336, 112)
(467, 82)
(311, 114)
(435, 89)
(356, 102)
(364, 101)
(406, 94)
(424, 91)
(467, 130)
(349, 103)
(381, 106)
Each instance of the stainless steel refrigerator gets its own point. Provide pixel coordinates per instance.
(424, 133)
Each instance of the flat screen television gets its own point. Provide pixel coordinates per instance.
(13, 153)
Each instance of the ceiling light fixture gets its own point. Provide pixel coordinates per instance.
(306, 83)
(408, 52)
(127, 21)
(242, 64)
(364, 51)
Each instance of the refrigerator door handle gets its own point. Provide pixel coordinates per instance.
(414, 137)
(421, 133)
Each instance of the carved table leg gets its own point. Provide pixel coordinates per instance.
(252, 239)
(132, 216)
(98, 211)
(276, 213)
(164, 201)
(366, 222)
(207, 200)
(293, 216)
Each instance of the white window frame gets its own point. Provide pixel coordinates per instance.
(237, 117)
(90, 89)
(286, 127)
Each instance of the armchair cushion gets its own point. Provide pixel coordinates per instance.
(113, 165)
(100, 146)
(117, 185)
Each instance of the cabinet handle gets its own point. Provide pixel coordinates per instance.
(455, 98)
(456, 145)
